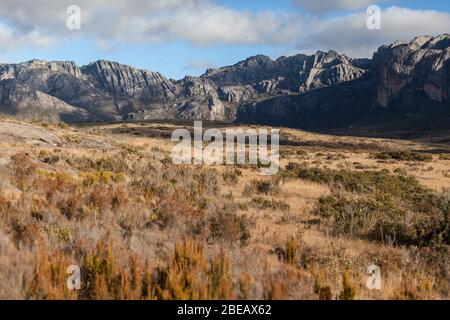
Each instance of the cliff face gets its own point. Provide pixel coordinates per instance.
(420, 68)
(324, 87)
(403, 80)
(129, 82)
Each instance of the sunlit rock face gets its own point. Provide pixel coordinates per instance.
(329, 86)
(421, 66)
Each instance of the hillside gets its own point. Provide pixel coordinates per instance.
(323, 90)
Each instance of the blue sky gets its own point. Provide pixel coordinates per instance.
(180, 37)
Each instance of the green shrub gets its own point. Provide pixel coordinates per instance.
(348, 289)
(403, 156)
(365, 181)
(291, 248)
(423, 221)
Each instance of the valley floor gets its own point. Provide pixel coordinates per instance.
(108, 199)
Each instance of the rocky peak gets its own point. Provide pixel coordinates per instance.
(256, 61)
(194, 86)
(421, 65)
(407, 74)
(126, 80)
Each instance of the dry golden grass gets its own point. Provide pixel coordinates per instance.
(141, 227)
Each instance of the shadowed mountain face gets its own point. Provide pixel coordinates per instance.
(324, 90)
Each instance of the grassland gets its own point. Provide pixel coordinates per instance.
(108, 199)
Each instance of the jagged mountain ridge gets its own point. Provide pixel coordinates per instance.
(325, 86)
(405, 80)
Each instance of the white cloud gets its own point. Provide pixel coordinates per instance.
(201, 22)
(115, 23)
(11, 39)
(326, 6)
(350, 35)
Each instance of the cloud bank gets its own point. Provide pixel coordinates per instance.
(326, 6)
(205, 22)
(349, 34)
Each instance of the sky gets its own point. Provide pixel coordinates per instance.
(185, 37)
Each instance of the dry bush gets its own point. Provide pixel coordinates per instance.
(24, 168)
(230, 228)
(269, 204)
(348, 290)
(189, 276)
(262, 187)
(291, 249)
(231, 176)
(48, 280)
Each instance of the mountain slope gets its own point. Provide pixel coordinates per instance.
(326, 89)
(406, 79)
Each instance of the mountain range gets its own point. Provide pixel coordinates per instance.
(403, 80)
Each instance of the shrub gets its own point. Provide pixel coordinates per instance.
(291, 248)
(348, 289)
(366, 181)
(104, 278)
(231, 228)
(262, 186)
(23, 168)
(267, 204)
(231, 177)
(403, 156)
(102, 177)
(323, 292)
(188, 275)
(382, 218)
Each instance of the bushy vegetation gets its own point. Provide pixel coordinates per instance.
(140, 227)
(270, 204)
(384, 207)
(266, 187)
(384, 218)
(360, 181)
(403, 156)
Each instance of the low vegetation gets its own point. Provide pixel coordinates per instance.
(140, 227)
(403, 156)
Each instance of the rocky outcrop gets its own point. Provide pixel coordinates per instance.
(405, 81)
(130, 82)
(110, 91)
(27, 103)
(297, 74)
(419, 68)
(323, 89)
(23, 133)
